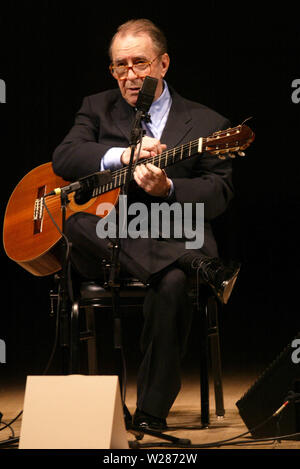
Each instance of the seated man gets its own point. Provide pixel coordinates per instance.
(100, 139)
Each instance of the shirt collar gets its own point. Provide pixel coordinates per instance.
(159, 107)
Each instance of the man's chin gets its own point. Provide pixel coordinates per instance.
(132, 100)
(131, 96)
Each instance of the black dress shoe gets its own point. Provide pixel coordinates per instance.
(212, 271)
(221, 277)
(142, 420)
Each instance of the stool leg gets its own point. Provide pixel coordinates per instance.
(213, 333)
(74, 339)
(204, 378)
(91, 342)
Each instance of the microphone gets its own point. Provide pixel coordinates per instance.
(146, 94)
(85, 184)
(143, 103)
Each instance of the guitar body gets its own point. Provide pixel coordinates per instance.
(30, 237)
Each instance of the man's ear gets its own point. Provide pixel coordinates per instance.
(165, 62)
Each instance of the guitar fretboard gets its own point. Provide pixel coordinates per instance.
(166, 158)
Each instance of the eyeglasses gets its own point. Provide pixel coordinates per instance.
(140, 69)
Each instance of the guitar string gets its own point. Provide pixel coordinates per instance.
(168, 154)
(157, 158)
(119, 173)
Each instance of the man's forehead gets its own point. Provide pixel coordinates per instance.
(131, 45)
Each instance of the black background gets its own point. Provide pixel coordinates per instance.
(230, 56)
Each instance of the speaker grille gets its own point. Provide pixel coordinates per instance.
(268, 393)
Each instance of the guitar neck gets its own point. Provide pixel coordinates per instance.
(165, 159)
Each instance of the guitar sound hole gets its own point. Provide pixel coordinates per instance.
(82, 197)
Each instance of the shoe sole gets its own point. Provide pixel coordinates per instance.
(228, 287)
(152, 428)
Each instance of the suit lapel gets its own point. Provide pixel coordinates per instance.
(179, 122)
(178, 125)
(123, 116)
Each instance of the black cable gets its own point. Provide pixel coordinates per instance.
(58, 229)
(12, 421)
(55, 337)
(68, 251)
(8, 425)
(207, 445)
(68, 244)
(280, 437)
(229, 441)
(11, 441)
(69, 284)
(14, 439)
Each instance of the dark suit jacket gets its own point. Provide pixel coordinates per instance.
(104, 121)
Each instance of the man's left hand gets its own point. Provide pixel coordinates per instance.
(152, 179)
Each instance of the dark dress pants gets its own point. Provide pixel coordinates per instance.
(167, 315)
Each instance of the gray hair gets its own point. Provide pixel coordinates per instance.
(142, 26)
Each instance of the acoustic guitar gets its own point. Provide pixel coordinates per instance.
(30, 237)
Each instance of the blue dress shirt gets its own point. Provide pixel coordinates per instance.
(159, 112)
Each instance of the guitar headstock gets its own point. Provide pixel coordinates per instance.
(230, 141)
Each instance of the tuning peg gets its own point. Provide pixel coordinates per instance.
(241, 153)
(221, 156)
(232, 155)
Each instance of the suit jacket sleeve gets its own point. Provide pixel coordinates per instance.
(80, 152)
(210, 183)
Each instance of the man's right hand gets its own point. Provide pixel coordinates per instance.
(150, 147)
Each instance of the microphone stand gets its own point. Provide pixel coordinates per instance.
(63, 295)
(143, 104)
(135, 138)
(64, 317)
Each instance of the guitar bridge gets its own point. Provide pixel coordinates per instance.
(38, 210)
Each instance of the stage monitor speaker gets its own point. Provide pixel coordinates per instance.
(268, 394)
(73, 412)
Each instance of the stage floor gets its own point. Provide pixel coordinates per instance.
(184, 418)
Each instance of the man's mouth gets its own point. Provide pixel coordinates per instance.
(134, 89)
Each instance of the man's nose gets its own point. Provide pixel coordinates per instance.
(131, 74)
